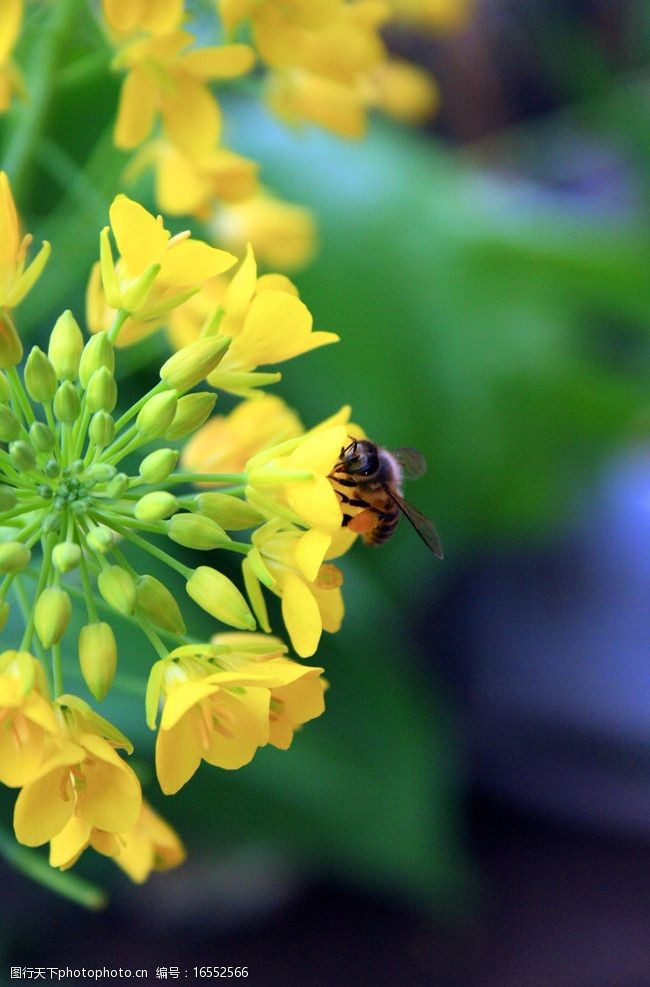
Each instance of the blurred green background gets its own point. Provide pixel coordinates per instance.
(489, 280)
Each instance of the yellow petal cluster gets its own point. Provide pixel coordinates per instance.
(282, 234)
(16, 276)
(27, 720)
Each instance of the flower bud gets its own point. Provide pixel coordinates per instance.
(22, 455)
(192, 364)
(269, 475)
(100, 539)
(41, 437)
(102, 391)
(156, 602)
(11, 348)
(52, 521)
(100, 473)
(97, 657)
(157, 466)
(9, 424)
(67, 403)
(101, 429)
(66, 556)
(218, 596)
(230, 512)
(118, 485)
(8, 498)
(98, 352)
(39, 376)
(5, 389)
(52, 469)
(157, 415)
(156, 506)
(195, 531)
(14, 556)
(118, 588)
(52, 615)
(65, 346)
(191, 411)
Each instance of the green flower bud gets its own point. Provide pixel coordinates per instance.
(5, 389)
(66, 556)
(11, 348)
(22, 455)
(118, 588)
(8, 498)
(65, 346)
(9, 424)
(100, 539)
(52, 469)
(191, 411)
(156, 506)
(100, 473)
(97, 657)
(39, 376)
(228, 511)
(98, 352)
(52, 615)
(4, 614)
(45, 491)
(157, 415)
(192, 364)
(67, 403)
(52, 521)
(195, 531)
(118, 485)
(101, 429)
(158, 604)
(14, 556)
(157, 466)
(41, 437)
(218, 596)
(102, 391)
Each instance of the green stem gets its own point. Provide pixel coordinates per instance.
(155, 528)
(89, 598)
(203, 478)
(40, 586)
(57, 670)
(19, 392)
(157, 553)
(135, 408)
(120, 318)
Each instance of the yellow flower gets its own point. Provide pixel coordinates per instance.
(81, 776)
(281, 234)
(439, 15)
(150, 844)
(297, 96)
(167, 79)
(16, 279)
(226, 442)
(221, 713)
(11, 15)
(27, 720)
(152, 16)
(405, 91)
(276, 19)
(290, 562)
(155, 272)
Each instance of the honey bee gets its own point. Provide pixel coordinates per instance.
(368, 479)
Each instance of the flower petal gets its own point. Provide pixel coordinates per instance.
(300, 614)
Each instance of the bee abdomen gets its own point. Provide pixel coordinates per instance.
(383, 529)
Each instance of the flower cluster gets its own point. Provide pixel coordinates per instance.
(83, 484)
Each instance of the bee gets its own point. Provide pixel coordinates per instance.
(368, 480)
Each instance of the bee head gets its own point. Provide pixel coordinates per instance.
(361, 458)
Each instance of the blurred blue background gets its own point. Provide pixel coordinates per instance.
(474, 809)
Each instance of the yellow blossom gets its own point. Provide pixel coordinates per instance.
(168, 78)
(226, 442)
(281, 234)
(439, 15)
(82, 776)
(27, 720)
(405, 91)
(152, 16)
(11, 15)
(16, 279)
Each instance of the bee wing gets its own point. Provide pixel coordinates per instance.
(424, 527)
(412, 462)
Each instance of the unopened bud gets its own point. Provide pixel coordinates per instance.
(157, 603)
(100, 539)
(9, 424)
(118, 486)
(157, 415)
(14, 556)
(102, 391)
(192, 364)
(218, 596)
(100, 473)
(52, 615)
(67, 403)
(66, 556)
(39, 376)
(156, 506)
(41, 437)
(157, 466)
(52, 469)
(8, 498)
(230, 512)
(195, 531)
(118, 588)
(52, 521)
(98, 352)
(101, 429)
(22, 455)
(65, 346)
(191, 411)
(98, 657)
(11, 348)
